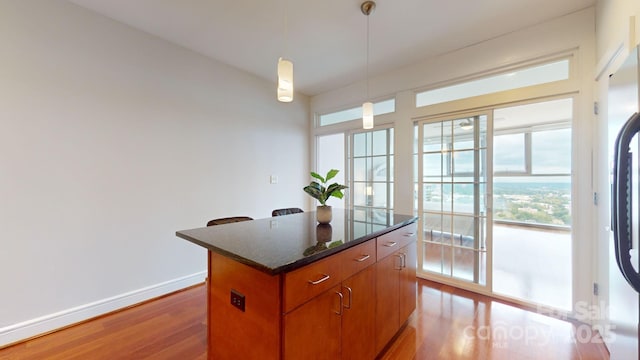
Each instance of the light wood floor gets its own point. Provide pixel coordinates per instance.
(448, 324)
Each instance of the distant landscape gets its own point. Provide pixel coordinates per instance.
(530, 202)
(540, 203)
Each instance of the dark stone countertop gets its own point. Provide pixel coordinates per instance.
(284, 243)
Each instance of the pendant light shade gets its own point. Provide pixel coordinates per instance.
(285, 80)
(367, 115)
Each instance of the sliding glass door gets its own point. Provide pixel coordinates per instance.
(452, 197)
(494, 196)
(532, 237)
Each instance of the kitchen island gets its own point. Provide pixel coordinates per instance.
(287, 288)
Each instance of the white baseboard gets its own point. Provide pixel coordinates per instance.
(30, 328)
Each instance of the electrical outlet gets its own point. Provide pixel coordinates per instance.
(237, 299)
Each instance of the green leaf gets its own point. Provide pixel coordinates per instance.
(331, 174)
(335, 243)
(313, 191)
(317, 176)
(335, 190)
(337, 194)
(317, 192)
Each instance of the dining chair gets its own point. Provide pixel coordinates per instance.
(228, 220)
(287, 211)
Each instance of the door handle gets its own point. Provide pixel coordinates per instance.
(350, 297)
(403, 256)
(399, 257)
(341, 303)
(622, 200)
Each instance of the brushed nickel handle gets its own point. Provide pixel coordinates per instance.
(363, 258)
(341, 302)
(391, 244)
(324, 278)
(399, 257)
(350, 297)
(409, 234)
(403, 256)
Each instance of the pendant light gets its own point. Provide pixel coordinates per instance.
(285, 80)
(285, 69)
(367, 9)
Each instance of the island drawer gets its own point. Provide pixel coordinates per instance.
(311, 280)
(358, 258)
(390, 242)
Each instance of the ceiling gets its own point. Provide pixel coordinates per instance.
(326, 40)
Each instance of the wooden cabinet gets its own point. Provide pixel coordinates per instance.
(344, 306)
(395, 274)
(312, 331)
(338, 323)
(387, 300)
(358, 317)
(408, 284)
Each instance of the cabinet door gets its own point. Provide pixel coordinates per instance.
(312, 331)
(387, 299)
(408, 281)
(358, 319)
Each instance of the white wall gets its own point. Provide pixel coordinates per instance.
(110, 141)
(574, 32)
(613, 26)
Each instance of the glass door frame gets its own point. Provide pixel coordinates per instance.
(419, 153)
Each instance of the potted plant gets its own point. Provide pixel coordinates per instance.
(321, 192)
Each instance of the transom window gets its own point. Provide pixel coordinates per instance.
(379, 108)
(534, 75)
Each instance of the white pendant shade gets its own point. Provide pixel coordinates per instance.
(367, 115)
(285, 80)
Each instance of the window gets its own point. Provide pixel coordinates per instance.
(535, 75)
(532, 202)
(379, 108)
(331, 152)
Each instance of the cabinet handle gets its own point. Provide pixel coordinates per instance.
(403, 256)
(391, 244)
(350, 297)
(324, 278)
(409, 234)
(399, 257)
(363, 258)
(341, 302)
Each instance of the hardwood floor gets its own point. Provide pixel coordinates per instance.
(448, 324)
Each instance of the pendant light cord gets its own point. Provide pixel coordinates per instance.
(367, 67)
(286, 29)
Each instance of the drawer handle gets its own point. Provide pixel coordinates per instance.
(409, 234)
(324, 278)
(391, 244)
(363, 258)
